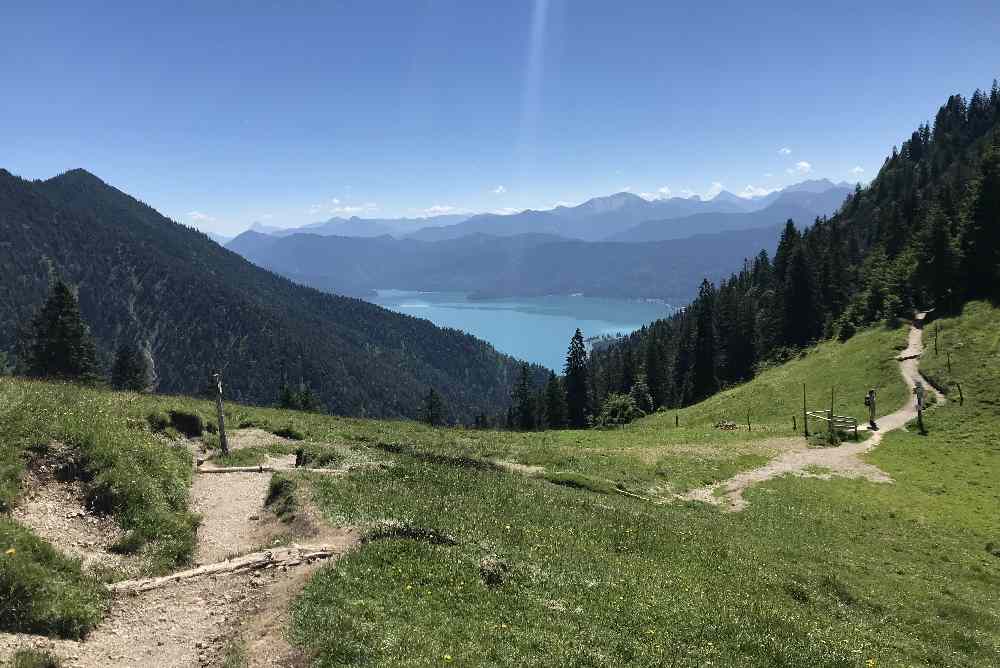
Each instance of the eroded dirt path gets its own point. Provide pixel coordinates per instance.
(192, 621)
(841, 461)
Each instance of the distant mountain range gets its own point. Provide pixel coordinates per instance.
(195, 307)
(600, 218)
(521, 265)
(547, 252)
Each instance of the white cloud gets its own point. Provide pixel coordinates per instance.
(713, 190)
(663, 192)
(201, 217)
(858, 171)
(755, 191)
(626, 189)
(768, 175)
(562, 203)
(349, 210)
(785, 151)
(334, 207)
(507, 210)
(499, 190)
(439, 210)
(800, 168)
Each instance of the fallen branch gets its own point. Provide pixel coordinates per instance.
(266, 469)
(283, 556)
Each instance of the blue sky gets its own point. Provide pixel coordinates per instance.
(223, 114)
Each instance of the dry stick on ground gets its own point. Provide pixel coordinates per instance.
(267, 469)
(288, 556)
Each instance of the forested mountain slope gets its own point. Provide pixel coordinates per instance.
(196, 306)
(520, 265)
(924, 234)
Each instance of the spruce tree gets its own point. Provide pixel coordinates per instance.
(981, 234)
(704, 379)
(130, 370)
(555, 403)
(654, 370)
(523, 400)
(575, 372)
(60, 344)
(433, 411)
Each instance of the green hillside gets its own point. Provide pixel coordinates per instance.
(813, 573)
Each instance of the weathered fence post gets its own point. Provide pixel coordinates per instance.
(949, 362)
(223, 443)
(961, 398)
(831, 414)
(795, 427)
(937, 328)
(748, 420)
(805, 418)
(677, 420)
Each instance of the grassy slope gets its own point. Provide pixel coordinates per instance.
(817, 573)
(129, 472)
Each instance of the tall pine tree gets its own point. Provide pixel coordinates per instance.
(60, 345)
(575, 372)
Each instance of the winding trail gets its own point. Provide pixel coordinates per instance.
(842, 461)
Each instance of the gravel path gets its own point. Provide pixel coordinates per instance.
(231, 507)
(190, 622)
(842, 461)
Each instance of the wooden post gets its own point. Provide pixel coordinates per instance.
(223, 443)
(805, 418)
(937, 328)
(677, 420)
(961, 398)
(949, 362)
(795, 427)
(831, 414)
(748, 420)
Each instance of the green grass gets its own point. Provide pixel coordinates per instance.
(813, 573)
(32, 658)
(43, 591)
(127, 471)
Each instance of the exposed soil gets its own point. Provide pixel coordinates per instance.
(56, 511)
(189, 622)
(842, 461)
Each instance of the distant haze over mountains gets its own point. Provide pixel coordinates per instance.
(598, 219)
(646, 248)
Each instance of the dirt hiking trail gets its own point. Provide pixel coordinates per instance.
(239, 589)
(841, 461)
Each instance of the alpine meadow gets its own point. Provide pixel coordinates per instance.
(282, 292)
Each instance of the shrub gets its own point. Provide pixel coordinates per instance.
(158, 421)
(33, 658)
(189, 424)
(618, 409)
(281, 496)
(289, 431)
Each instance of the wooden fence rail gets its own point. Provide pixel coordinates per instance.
(840, 422)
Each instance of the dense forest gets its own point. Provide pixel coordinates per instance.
(189, 306)
(924, 234)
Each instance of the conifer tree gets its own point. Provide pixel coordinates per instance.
(981, 237)
(60, 344)
(130, 370)
(654, 370)
(575, 373)
(641, 396)
(433, 411)
(524, 400)
(555, 403)
(704, 380)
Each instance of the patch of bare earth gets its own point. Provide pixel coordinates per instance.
(192, 619)
(520, 469)
(56, 510)
(842, 461)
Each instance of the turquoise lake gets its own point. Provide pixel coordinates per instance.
(536, 329)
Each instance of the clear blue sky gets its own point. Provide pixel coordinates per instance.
(219, 115)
